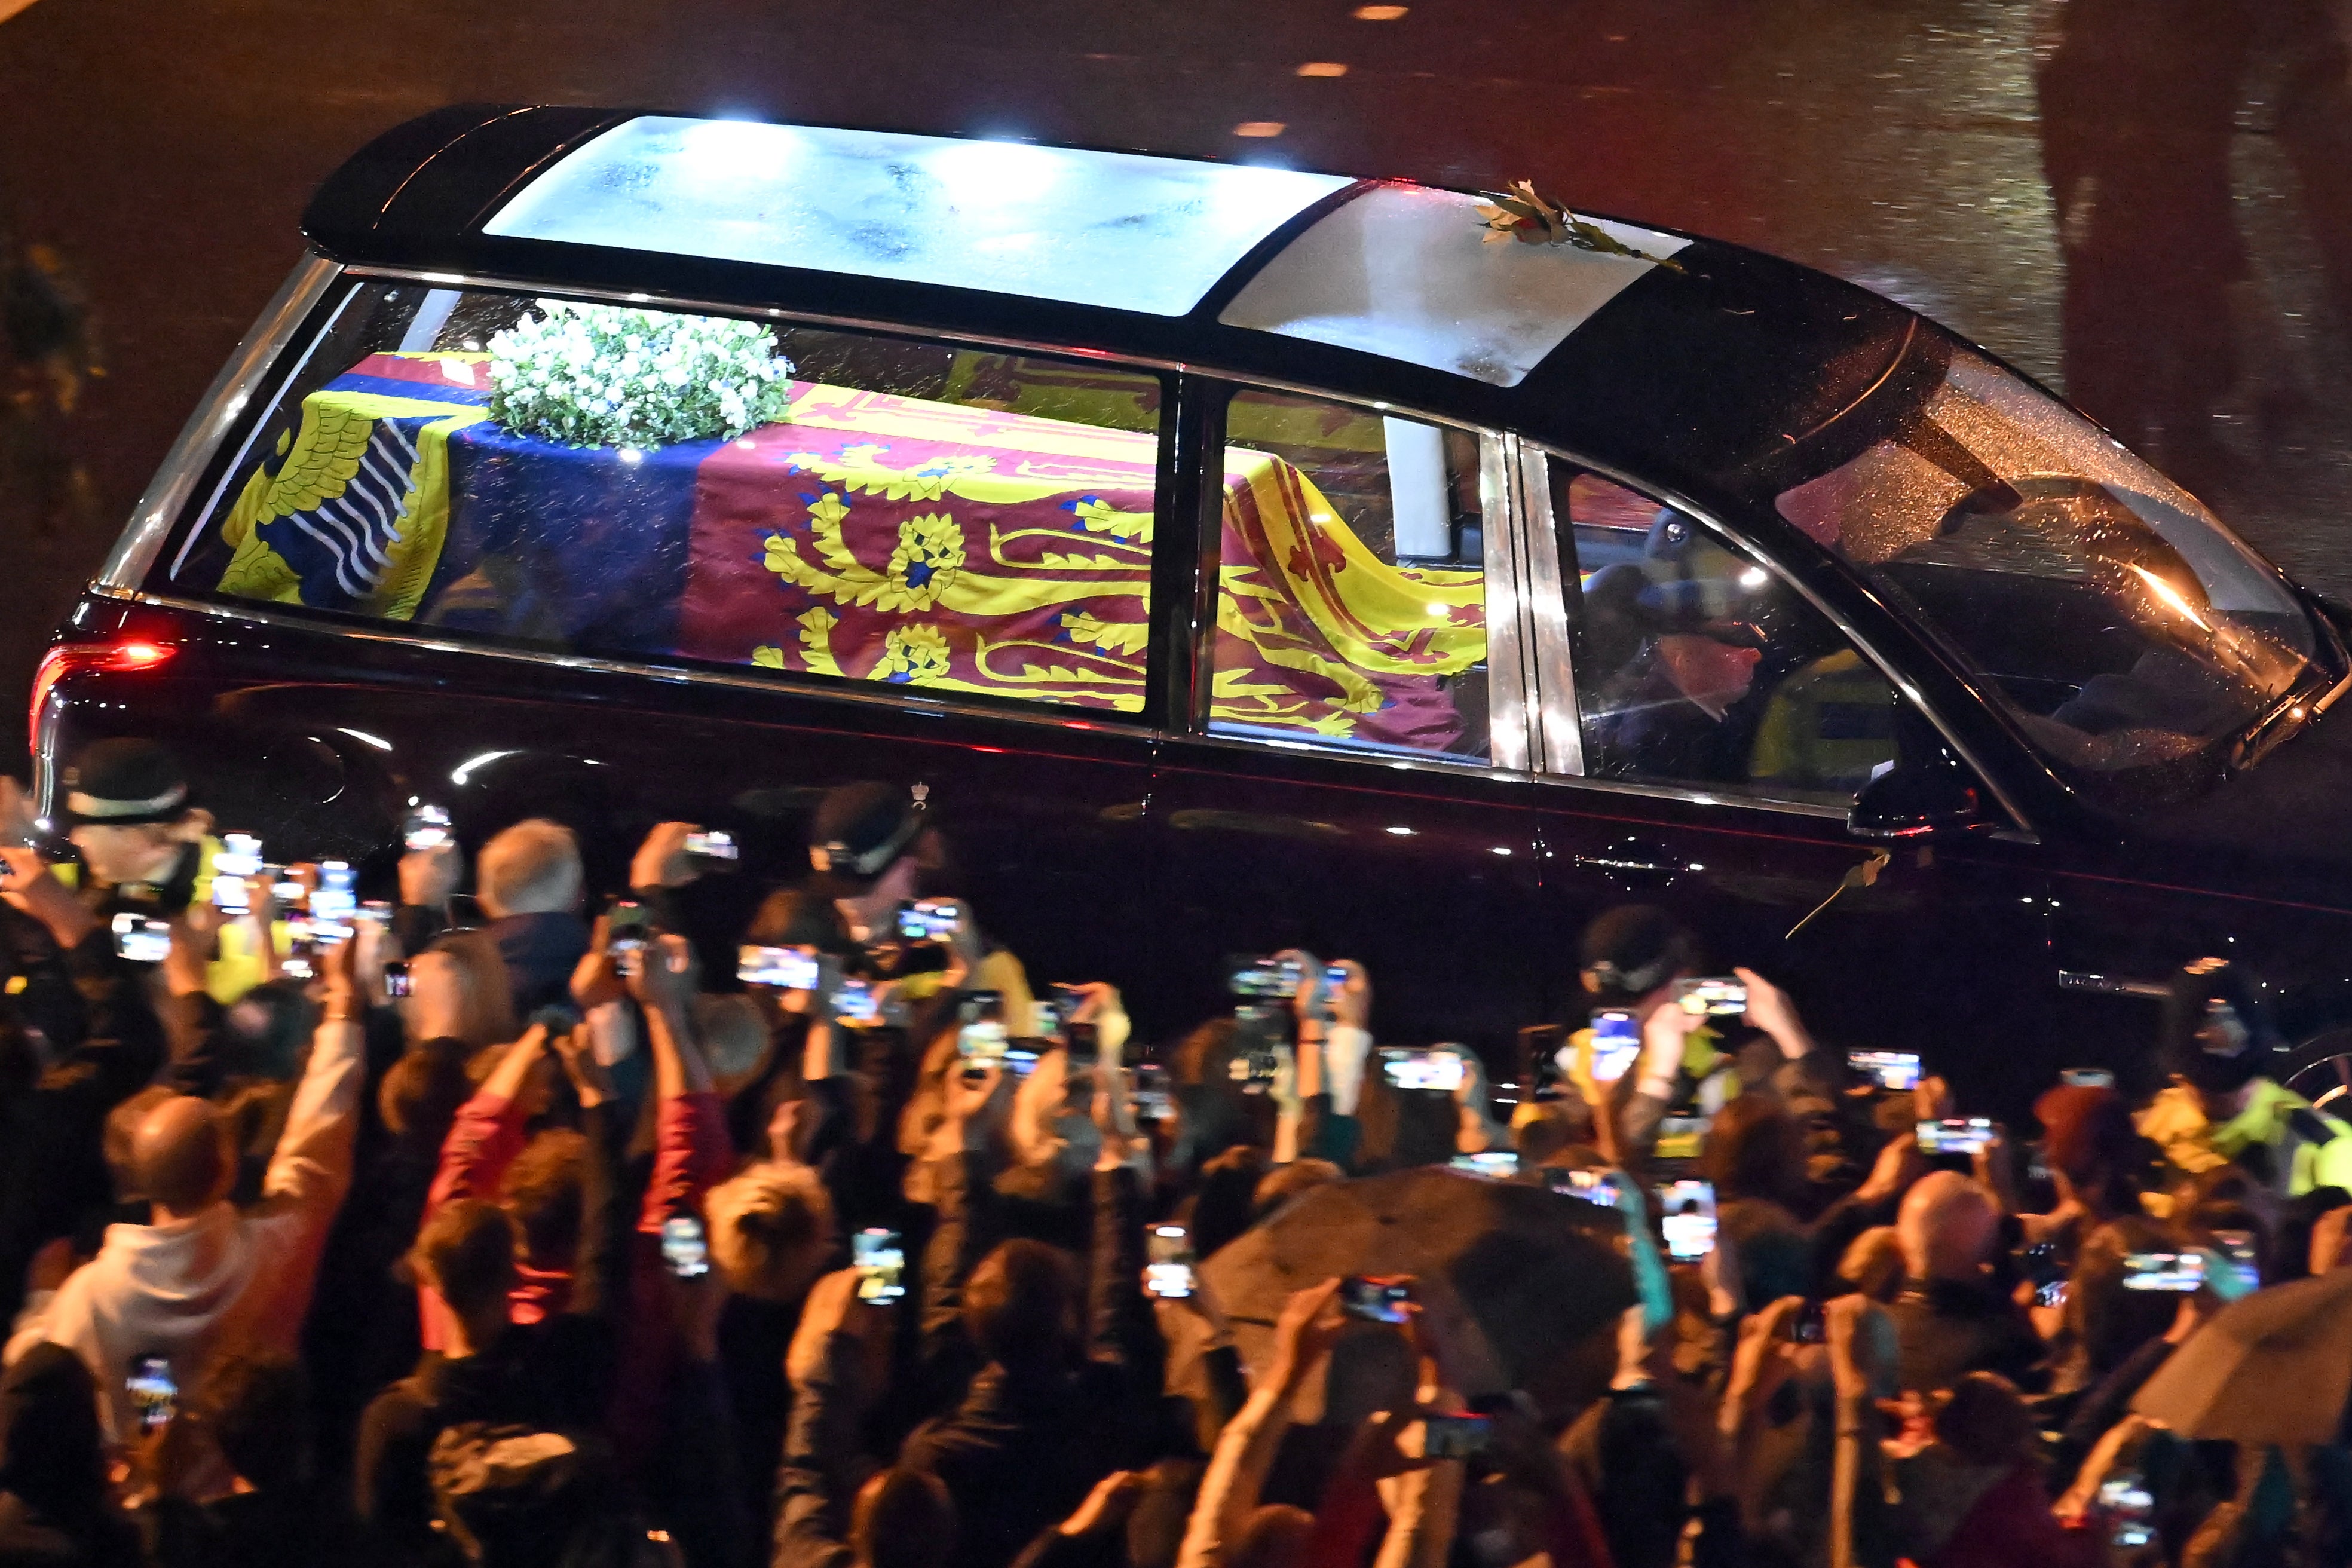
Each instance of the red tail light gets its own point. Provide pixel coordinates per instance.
(67, 658)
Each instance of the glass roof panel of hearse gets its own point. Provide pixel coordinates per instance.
(1117, 229)
(1410, 273)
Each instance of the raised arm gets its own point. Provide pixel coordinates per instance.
(311, 1168)
(967, 1223)
(692, 1148)
(1309, 1324)
(1426, 1503)
(1857, 1500)
(427, 879)
(1119, 1318)
(813, 1482)
(602, 1222)
(1664, 1033)
(487, 1134)
(664, 986)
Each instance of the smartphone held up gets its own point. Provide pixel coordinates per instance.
(1455, 1437)
(1599, 1188)
(141, 939)
(880, 1259)
(785, 968)
(712, 845)
(238, 860)
(1377, 1298)
(1717, 997)
(1898, 1073)
(1167, 1262)
(685, 1252)
(1439, 1069)
(1687, 1219)
(154, 1395)
(426, 828)
(1956, 1135)
(1616, 1045)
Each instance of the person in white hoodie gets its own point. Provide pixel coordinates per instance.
(206, 1277)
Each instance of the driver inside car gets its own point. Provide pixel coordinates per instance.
(1678, 633)
(1718, 677)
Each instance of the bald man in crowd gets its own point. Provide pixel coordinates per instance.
(204, 1277)
(1950, 1319)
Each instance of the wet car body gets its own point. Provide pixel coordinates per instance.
(1980, 898)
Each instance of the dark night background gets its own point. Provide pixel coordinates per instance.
(2146, 203)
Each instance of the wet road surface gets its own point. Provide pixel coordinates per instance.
(2146, 203)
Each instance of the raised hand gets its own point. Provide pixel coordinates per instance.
(661, 861)
(428, 877)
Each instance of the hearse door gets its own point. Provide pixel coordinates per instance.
(1705, 728)
(1355, 778)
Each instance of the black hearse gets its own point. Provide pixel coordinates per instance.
(1241, 557)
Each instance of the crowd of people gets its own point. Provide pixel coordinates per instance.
(502, 1224)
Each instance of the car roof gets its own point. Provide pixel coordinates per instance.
(1689, 362)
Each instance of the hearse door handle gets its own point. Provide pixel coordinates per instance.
(1634, 854)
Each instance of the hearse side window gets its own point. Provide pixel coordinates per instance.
(1696, 667)
(1352, 594)
(963, 519)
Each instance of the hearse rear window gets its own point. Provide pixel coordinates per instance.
(651, 486)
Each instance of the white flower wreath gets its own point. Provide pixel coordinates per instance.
(605, 375)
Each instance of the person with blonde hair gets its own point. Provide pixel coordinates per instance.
(457, 990)
(735, 1041)
(770, 1229)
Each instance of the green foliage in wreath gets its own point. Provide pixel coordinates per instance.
(607, 375)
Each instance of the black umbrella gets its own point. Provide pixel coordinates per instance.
(1531, 1282)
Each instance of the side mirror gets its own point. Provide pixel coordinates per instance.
(1923, 798)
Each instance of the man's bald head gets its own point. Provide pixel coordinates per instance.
(179, 1155)
(1946, 1227)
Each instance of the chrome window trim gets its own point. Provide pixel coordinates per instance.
(1510, 653)
(2023, 825)
(1558, 734)
(223, 403)
(1699, 797)
(1443, 762)
(898, 698)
